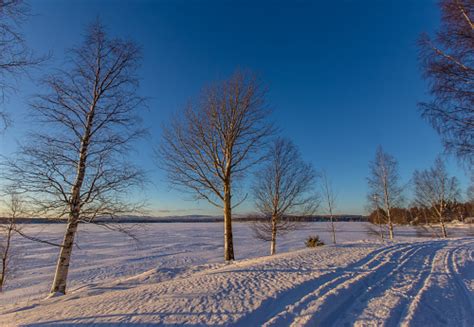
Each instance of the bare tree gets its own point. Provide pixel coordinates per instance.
(434, 189)
(214, 142)
(283, 188)
(330, 202)
(76, 165)
(448, 64)
(15, 56)
(8, 227)
(384, 185)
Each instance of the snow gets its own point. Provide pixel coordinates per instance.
(175, 275)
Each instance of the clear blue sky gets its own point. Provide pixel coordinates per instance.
(343, 76)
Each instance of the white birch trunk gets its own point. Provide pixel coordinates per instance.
(64, 259)
(274, 234)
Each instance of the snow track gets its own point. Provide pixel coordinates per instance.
(344, 297)
(428, 283)
(382, 295)
(388, 290)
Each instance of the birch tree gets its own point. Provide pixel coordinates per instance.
(213, 142)
(384, 185)
(434, 189)
(448, 64)
(283, 189)
(8, 228)
(75, 166)
(329, 199)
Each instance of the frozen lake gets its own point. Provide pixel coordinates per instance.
(169, 249)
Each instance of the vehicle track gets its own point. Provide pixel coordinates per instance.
(442, 283)
(275, 308)
(384, 290)
(324, 305)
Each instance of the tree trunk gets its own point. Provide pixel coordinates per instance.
(5, 256)
(379, 222)
(389, 217)
(333, 230)
(62, 266)
(388, 209)
(443, 228)
(390, 228)
(274, 234)
(228, 241)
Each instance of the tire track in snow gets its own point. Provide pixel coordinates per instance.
(290, 305)
(441, 282)
(333, 306)
(397, 276)
(456, 273)
(274, 306)
(384, 302)
(467, 306)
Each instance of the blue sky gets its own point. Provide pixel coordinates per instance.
(343, 76)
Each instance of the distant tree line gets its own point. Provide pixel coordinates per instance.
(455, 211)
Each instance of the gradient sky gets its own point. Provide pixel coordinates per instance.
(343, 76)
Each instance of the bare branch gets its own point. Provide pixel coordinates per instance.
(14, 206)
(329, 198)
(284, 187)
(384, 185)
(434, 189)
(15, 56)
(213, 143)
(76, 165)
(448, 65)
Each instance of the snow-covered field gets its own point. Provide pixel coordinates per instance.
(175, 275)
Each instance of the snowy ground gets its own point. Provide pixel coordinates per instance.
(175, 275)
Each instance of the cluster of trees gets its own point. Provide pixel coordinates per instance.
(215, 142)
(436, 195)
(416, 215)
(447, 62)
(75, 166)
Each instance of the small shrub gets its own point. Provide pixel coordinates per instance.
(313, 241)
